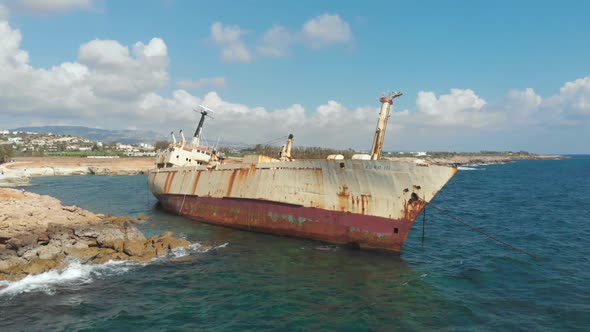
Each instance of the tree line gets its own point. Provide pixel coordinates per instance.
(6, 153)
(302, 152)
(273, 151)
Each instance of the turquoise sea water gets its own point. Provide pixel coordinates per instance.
(455, 280)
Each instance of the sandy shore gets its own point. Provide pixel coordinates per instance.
(39, 234)
(22, 169)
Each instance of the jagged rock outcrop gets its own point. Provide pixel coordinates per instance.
(38, 234)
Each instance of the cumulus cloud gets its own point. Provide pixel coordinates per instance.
(215, 82)
(573, 100)
(51, 6)
(319, 32)
(112, 85)
(106, 79)
(521, 105)
(325, 30)
(228, 38)
(459, 108)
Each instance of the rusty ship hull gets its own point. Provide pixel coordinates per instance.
(371, 204)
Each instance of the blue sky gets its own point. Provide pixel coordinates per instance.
(509, 64)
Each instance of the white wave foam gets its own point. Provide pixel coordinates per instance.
(74, 274)
(79, 274)
(465, 168)
(195, 247)
(221, 246)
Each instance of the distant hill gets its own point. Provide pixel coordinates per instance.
(102, 135)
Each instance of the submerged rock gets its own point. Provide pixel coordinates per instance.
(38, 234)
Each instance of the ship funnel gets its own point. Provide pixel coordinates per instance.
(386, 102)
(173, 138)
(183, 139)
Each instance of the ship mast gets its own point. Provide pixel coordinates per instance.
(386, 102)
(197, 137)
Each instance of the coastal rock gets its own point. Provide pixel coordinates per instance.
(43, 238)
(174, 243)
(117, 245)
(38, 234)
(107, 235)
(160, 237)
(110, 256)
(160, 248)
(22, 241)
(133, 248)
(132, 233)
(146, 257)
(48, 251)
(38, 265)
(9, 263)
(84, 255)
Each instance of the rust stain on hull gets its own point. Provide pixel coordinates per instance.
(338, 227)
(369, 203)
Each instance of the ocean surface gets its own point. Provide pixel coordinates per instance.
(455, 280)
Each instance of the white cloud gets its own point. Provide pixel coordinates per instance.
(107, 79)
(112, 85)
(236, 53)
(325, 30)
(52, 6)
(521, 105)
(216, 82)
(574, 99)
(10, 53)
(275, 42)
(319, 32)
(226, 34)
(228, 38)
(104, 54)
(459, 108)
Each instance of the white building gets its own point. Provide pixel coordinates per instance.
(124, 147)
(146, 146)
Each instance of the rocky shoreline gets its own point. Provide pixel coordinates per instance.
(19, 173)
(39, 234)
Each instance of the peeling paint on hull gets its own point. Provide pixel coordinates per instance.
(368, 232)
(372, 204)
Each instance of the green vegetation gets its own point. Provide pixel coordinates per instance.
(301, 152)
(86, 153)
(6, 153)
(161, 145)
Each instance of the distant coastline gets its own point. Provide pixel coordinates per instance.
(477, 159)
(20, 171)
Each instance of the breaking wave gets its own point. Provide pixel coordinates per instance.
(194, 248)
(79, 274)
(466, 168)
(75, 274)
